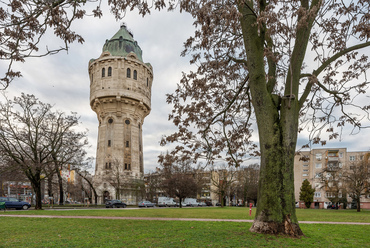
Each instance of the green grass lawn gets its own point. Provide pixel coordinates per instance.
(32, 232)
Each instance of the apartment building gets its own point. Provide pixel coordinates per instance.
(323, 168)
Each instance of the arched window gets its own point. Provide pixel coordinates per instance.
(135, 74)
(109, 71)
(103, 72)
(147, 82)
(128, 72)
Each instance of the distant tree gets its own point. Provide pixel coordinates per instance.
(223, 177)
(178, 177)
(180, 185)
(114, 176)
(82, 169)
(306, 194)
(27, 137)
(247, 183)
(65, 145)
(331, 178)
(153, 182)
(357, 180)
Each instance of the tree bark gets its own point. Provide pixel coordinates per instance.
(358, 207)
(60, 183)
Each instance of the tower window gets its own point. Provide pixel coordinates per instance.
(127, 122)
(128, 72)
(147, 82)
(109, 143)
(103, 72)
(127, 144)
(135, 74)
(110, 121)
(109, 71)
(110, 165)
(129, 167)
(125, 166)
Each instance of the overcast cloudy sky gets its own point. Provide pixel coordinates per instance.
(63, 79)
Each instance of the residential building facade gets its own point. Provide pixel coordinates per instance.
(323, 168)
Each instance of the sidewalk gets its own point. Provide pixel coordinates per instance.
(169, 219)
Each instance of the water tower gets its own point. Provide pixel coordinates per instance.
(120, 95)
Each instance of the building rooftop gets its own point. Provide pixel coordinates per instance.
(122, 43)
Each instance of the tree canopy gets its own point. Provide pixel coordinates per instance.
(306, 194)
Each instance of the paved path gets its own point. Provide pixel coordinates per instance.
(168, 219)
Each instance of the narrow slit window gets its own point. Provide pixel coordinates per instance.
(109, 71)
(103, 72)
(135, 74)
(128, 72)
(127, 144)
(109, 143)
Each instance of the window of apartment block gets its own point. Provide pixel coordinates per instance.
(317, 194)
(330, 195)
(305, 165)
(340, 165)
(352, 158)
(318, 156)
(318, 165)
(341, 155)
(305, 175)
(306, 170)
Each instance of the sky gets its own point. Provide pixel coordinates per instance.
(63, 80)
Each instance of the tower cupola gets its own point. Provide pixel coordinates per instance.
(122, 43)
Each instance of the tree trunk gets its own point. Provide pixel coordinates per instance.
(61, 191)
(276, 201)
(37, 189)
(50, 186)
(358, 205)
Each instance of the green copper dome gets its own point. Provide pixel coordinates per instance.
(122, 43)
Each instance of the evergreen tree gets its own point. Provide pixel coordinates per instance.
(306, 194)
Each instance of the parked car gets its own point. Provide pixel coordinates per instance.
(115, 204)
(11, 202)
(190, 202)
(145, 204)
(209, 203)
(202, 204)
(166, 202)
